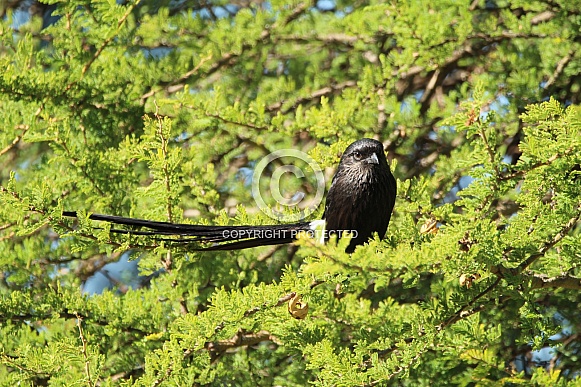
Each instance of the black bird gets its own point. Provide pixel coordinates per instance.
(360, 201)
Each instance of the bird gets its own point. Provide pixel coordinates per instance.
(360, 201)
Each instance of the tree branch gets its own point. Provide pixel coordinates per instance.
(228, 58)
(560, 67)
(536, 165)
(556, 239)
(240, 339)
(107, 41)
(564, 282)
(84, 350)
(313, 96)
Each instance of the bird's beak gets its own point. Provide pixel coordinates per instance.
(372, 159)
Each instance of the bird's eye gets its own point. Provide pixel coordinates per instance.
(357, 155)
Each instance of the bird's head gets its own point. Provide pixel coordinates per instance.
(364, 155)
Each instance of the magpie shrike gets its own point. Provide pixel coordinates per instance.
(360, 201)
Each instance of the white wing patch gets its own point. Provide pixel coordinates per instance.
(318, 226)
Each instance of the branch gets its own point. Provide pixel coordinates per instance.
(473, 45)
(538, 282)
(542, 17)
(105, 44)
(64, 313)
(537, 165)
(556, 239)
(430, 87)
(314, 95)
(361, 269)
(462, 313)
(240, 339)
(16, 139)
(347, 40)
(80, 166)
(560, 67)
(84, 350)
(14, 363)
(176, 85)
(227, 121)
(229, 58)
(564, 282)
(281, 301)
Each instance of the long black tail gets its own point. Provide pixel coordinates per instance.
(220, 237)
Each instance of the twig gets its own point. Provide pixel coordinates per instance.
(11, 362)
(107, 41)
(491, 154)
(564, 282)
(542, 17)
(401, 368)
(430, 87)
(182, 78)
(18, 138)
(560, 67)
(168, 261)
(230, 58)
(15, 141)
(312, 243)
(240, 339)
(84, 350)
(110, 38)
(556, 239)
(461, 312)
(75, 161)
(314, 95)
(537, 165)
(227, 121)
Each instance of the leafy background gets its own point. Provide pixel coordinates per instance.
(159, 110)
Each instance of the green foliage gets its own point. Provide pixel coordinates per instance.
(161, 110)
